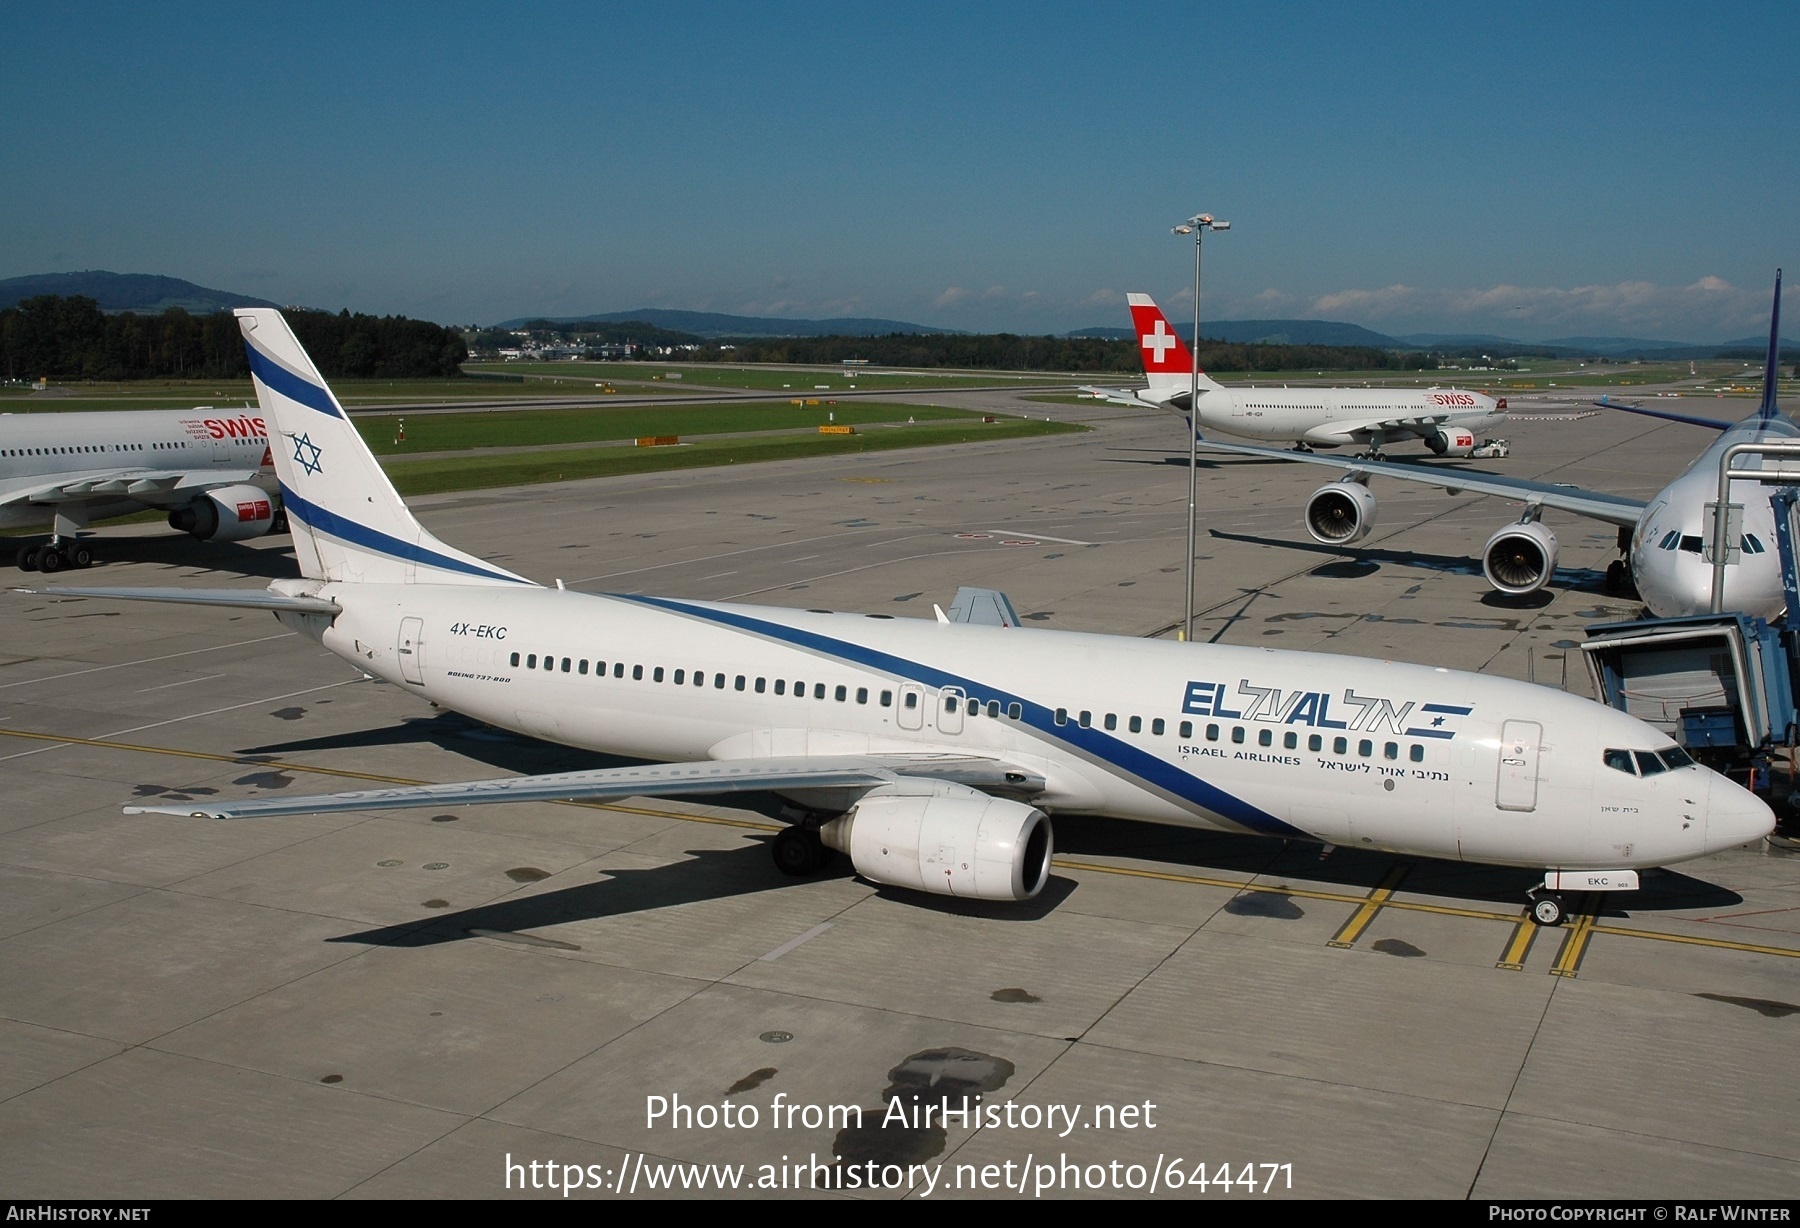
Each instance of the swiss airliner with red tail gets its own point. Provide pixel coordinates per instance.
(1446, 420)
(209, 469)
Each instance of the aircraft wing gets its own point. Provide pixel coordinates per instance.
(649, 780)
(1121, 396)
(1595, 505)
(1712, 423)
(236, 598)
(152, 486)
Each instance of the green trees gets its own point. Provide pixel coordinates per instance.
(71, 338)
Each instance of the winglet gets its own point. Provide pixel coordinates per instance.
(1768, 409)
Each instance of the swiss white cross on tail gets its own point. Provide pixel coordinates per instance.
(1168, 363)
(348, 521)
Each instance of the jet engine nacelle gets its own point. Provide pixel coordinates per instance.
(1340, 513)
(1451, 442)
(966, 844)
(229, 514)
(1520, 558)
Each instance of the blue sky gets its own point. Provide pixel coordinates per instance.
(1530, 170)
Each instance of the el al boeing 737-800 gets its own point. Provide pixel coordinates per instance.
(1445, 419)
(209, 469)
(1661, 538)
(933, 752)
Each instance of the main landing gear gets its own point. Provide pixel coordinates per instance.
(799, 852)
(56, 555)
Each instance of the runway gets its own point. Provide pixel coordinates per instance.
(420, 1004)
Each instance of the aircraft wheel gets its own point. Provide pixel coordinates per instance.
(81, 555)
(1547, 908)
(27, 559)
(50, 559)
(798, 852)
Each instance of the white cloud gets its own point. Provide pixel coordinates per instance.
(1708, 309)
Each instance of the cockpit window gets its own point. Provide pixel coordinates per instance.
(1752, 545)
(1670, 540)
(1619, 761)
(1675, 757)
(1648, 763)
(1691, 544)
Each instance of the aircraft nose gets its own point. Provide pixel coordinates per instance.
(1734, 815)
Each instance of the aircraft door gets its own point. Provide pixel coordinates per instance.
(911, 714)
(950, 710)
(411, 633)
(1516, 787)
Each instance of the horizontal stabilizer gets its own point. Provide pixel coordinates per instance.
(239, 598)
(650, 780)
(983, 607)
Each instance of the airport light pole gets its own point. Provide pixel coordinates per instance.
(1197, 226)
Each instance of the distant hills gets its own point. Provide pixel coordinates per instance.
(150, 294)
(1327, 332)
(714, 324)
(144, 293)
(1270, 332)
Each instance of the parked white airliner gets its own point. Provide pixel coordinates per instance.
(209, 469)
(1662, 539)
(1446, 419)
(933, 752)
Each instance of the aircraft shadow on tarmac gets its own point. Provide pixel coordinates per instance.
(458, 734)
(1355, 871)
(1351, 563)
(707, 874)
(715, 874)
(269, 562)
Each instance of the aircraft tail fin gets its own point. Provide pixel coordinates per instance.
(1772, 366)
(348, 522)
(1168, 365)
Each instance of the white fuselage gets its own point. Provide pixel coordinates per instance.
(1667, 562)
(1381, 755)
(1331, 417)
(64, 450)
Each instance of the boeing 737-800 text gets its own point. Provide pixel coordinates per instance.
(933, 752)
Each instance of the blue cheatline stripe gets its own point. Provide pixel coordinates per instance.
(1108, 750)
(319, 520)
(277, 378)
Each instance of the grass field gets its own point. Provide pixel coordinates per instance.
(806, 380)
(528, 428)
(518, 469)
(235, 394)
